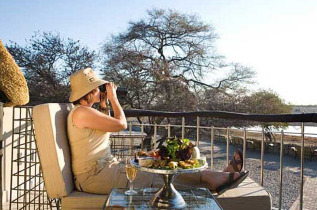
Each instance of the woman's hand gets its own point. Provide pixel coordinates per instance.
(103, 100)
(111, 91)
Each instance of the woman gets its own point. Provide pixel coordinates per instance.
(95, 169)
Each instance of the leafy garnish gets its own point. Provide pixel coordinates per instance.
(186, 141)
(172, 147)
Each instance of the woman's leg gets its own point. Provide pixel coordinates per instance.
(112, 175)
(214, 179)
(207, 178)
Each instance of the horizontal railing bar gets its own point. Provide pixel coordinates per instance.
(15, 174)
(222, 128)
(28, 192)
(22, 144)
(24, 156)
(22, 133)
(186, 126)
(163, 125)
(276, 132)
(23, 119)
(30, 166)
(114, 136)
(305, 117)
(23, 148)
(33, 177)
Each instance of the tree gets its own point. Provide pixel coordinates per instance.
(242, 101)
(164, 61)
(47, 61)
(266, 102)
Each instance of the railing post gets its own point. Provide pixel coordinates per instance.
(169, 130)
(25, 157)
(302, 169)
(198, 123)
(262, 157)
(212, 148)
(131, 139)
(155, 133)
(244, 147)
(281, 171)
(183, 127)
(1, 150)
(121, 146)
(142, 131)
(228, 137)
(12, 140)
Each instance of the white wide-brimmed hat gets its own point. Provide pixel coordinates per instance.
(82, 82)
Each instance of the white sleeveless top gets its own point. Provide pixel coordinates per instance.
(88, 146)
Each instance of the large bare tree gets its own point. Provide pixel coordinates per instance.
(47, 61)
(164, 59)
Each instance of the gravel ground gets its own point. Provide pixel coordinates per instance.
(291, 170)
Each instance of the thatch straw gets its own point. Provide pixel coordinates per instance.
(12, 81)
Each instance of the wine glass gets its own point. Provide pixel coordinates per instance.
(131, 174)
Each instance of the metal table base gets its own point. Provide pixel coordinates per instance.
(168, 196)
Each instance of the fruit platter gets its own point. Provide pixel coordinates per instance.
(173, 157)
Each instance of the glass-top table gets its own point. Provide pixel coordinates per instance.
(199, 198)
(168, 196)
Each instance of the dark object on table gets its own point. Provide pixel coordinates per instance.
(163, 152)
(184, 154)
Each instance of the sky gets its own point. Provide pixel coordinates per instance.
(275, 38)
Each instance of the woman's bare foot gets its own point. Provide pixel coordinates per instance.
(236, 163)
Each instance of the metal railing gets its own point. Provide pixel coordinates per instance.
(310, 117)
(24, 140)
(135, 145)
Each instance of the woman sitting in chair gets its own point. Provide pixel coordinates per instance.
(95, 169)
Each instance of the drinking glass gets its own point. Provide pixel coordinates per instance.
(131, 174)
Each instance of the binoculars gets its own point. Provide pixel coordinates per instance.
(120, 91)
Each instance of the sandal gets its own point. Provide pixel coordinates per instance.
(232, 183)
(234, 162)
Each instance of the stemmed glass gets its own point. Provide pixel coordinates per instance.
(131, 174)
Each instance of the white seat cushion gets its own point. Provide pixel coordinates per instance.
(82, 200)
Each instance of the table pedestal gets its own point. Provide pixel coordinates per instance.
(167, 196)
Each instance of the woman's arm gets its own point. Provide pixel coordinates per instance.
(87, 117)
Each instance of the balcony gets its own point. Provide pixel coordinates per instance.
(286, 166)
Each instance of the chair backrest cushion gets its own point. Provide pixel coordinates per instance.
(50, 126)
